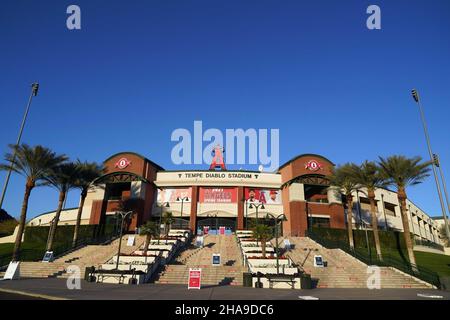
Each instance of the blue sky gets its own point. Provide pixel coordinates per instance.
(137, 70)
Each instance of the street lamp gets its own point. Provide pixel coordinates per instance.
(277, 219)
(34, 92)
(257, 206)
(166, 205)
(123, 215)
(415, 95)
(438, 164)
(182, 201)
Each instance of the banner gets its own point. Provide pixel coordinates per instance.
(172, 194)
(266, 196)
(218, 195)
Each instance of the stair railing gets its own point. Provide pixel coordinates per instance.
(416, 271)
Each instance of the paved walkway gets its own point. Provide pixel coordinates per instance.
(56, 288)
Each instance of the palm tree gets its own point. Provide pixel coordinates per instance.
(262, 233)
(168, 219)
(63, 178)
(343, 179)
(149, 230)
(402, 172)
(33, 163)
(368, 176)
(87, 173)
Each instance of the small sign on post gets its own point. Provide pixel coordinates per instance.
(199, 241)
(131, 241)
(205, 230)
(216, 259)
(48, 256)
(318, 262)
(195, 278)
(287, 244)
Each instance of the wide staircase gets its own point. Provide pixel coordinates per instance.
(343, 270)
(91, 255)
(228, 273)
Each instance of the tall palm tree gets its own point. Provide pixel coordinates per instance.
(167, 219)
(62, 178)
(88, 172)
(402, 172)
(33, 163)
(263, 233)
(343, 179)
(149, 230)
(368, 176)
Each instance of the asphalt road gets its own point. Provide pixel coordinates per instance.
(57, 288)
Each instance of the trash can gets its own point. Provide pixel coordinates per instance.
(87, 274)
(247, 279)
(305, 281)
(445, 283)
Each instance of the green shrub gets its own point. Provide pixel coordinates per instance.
(7, 227)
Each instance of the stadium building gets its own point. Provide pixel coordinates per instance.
(300, 190)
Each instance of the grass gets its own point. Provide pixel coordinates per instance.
(438, 263)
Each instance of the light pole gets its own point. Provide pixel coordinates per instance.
(34, 92)
(123, 215)
(182, 201)
(166, 205)
(277, 219)
(257, 206)
(415, 95)
(438, 164)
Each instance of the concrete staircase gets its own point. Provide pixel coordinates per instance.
(228, 273)
(343, 270)
(84, 257)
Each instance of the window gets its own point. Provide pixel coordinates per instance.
(316, 193)
(115, 190)
(389, 209)
(320, 222)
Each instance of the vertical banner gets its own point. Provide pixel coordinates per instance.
(221, 230)
(195, 278)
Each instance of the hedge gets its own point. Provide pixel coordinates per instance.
(392, 242)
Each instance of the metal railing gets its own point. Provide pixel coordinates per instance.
(419, 272)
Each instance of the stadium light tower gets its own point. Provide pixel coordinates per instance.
(34, 92)
(416, 98)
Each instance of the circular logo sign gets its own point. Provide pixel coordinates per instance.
(313, 165)
(122, 163)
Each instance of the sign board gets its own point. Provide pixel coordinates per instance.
(131, 241)
(287, 244)
(221, 230)
(216, 259)
(318, 261)
(195, 278)
(13, 271)
(205, 230)
(199, 241)
(48, 256)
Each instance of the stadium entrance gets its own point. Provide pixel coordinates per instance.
(213, 224)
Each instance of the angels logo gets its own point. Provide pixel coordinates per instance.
(122, 163)
(313, 165)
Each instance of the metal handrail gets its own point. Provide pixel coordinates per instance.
(419, 272)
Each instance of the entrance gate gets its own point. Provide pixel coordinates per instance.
(215, 223)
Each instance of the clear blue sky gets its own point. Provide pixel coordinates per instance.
(137, 70)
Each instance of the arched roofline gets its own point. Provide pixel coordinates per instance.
(157, 166)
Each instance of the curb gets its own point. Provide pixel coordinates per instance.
(36, 295)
